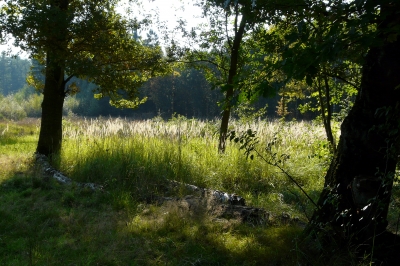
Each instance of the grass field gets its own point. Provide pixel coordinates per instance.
(45, 223)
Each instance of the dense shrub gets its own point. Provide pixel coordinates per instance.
(11, 109)
(18, 106)
(32, 105)
(71, 105)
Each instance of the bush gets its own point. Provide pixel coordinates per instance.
(10, 108)
(18, 106)
(71, 105)
(33, 105)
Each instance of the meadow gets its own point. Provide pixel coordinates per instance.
(46, 223)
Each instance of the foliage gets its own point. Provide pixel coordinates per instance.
(189, 92)
(217, 42)
(222, 56)
(368, 27)
(329, 87)
(314, 48)
(249, 141)
(247, 113)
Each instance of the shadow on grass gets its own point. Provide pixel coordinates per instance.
(168, 237)
(43, 222)
(172, 237)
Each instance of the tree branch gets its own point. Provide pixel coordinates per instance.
(200, 61)
(343, 79)
(226, 31)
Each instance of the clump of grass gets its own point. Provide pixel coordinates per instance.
(138, 155)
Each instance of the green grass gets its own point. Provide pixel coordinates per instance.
(44, 223)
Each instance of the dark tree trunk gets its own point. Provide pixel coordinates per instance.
(326, 112)
(354, 203)
(50, 137)
(230, 85)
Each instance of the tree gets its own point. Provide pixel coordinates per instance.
(367, 153)
(322, 82)
(84, 39)
(221, 47)
(12, 73)
(219, 52)
(354, 204)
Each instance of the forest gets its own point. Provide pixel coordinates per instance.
(188, 94)
(267, 134)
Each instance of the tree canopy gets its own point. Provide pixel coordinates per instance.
(97, 44)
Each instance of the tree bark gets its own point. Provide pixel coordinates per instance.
(355, 201)
(231, 86)
(50, 137)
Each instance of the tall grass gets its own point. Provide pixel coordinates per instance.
(134, 155)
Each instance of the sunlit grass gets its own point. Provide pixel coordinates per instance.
(17, 145)
(137, 154)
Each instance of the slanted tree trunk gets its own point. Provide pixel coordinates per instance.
(230, 85)
(355, 201)
(326, 112)
(50, 136)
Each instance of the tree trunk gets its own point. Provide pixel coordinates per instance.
(230, 85)
(50, 137)
(355, 201)
(326, 112)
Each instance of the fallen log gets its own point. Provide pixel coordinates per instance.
(217, 204)
(223, 205)
(220, 196)
(48, 171)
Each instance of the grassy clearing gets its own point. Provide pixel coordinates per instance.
(43, 223)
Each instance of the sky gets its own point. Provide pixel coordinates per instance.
(169, 11)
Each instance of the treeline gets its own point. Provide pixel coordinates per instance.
(185, 92)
